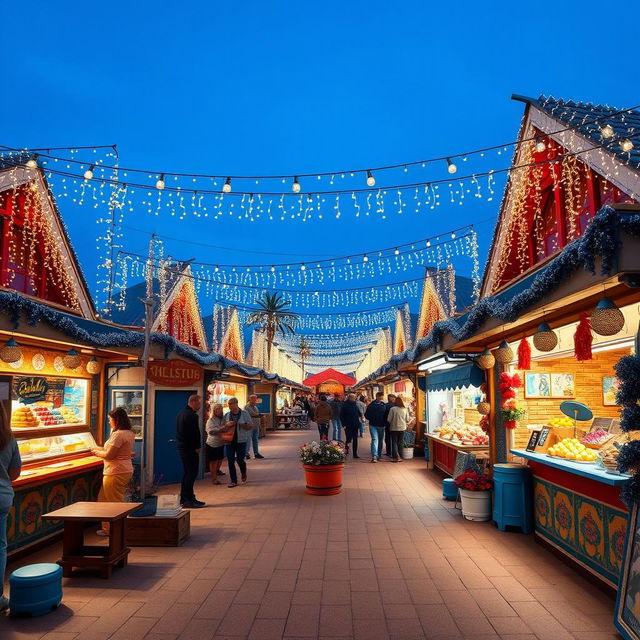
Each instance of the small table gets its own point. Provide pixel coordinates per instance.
(75, 553)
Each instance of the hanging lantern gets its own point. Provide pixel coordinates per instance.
(10, 351)
(544, 339)
(504, 353)
(72, 359)
(484, 408)
(93, 366)
(607, 319)
(485, 360)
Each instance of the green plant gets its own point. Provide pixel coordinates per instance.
(273, 317)
(320, 453)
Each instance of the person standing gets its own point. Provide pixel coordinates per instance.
(235, 450)
(253, 436)
(189, 441)
(362, 407)
(336, 421)
(350, 417)
(391, 400)
(322, 416)
(375, 414)
(398, 422)
(10, 465)
(116, 453)
(215, 427)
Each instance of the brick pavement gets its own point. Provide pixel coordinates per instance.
(387, 558)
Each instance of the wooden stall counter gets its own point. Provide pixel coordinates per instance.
(57, 469)
(578, 512)
(442, 453)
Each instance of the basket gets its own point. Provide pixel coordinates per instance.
(607, 320)
(545, 340)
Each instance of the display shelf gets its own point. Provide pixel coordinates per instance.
(590, 471)
(457, 445)
(55, 469)
(56, 446)
(42, 432)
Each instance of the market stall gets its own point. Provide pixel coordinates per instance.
(450, 418)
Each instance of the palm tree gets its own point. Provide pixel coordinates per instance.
(304, 349)
(273, 317)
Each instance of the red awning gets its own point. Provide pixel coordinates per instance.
(329, 375)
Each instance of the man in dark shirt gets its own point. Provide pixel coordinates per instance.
(336, 422)
(375, 414)
(189, 441)
(350, 417)
(387, 428)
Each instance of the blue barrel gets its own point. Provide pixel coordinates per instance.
(513, 496)
(35, 589)
(449, 489)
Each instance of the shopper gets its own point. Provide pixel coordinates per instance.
(375, 414)
(215, 427)
(391, 400)
(398, 422)
(322, 416)
(10, 465)
(336, 422)
(362, 407)
(253, 436)
(116, 453)
(350, 417)
(235, 450)
(189, 441)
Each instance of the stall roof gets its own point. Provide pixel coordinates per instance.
(464, 375)
(329, 374)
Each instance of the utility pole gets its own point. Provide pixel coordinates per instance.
(148, 322)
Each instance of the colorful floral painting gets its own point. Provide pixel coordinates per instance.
(563, 516)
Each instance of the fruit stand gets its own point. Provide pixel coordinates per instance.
(448, 440)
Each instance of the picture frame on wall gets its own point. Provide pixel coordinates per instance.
(627, 612)
(537, 385)
(609, 390)
(562, 385)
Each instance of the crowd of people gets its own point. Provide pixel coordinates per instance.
(346, 420)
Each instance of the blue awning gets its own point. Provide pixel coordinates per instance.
(464, 375)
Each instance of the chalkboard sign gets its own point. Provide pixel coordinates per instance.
(264, 402)
(542, 438)
(533, 441)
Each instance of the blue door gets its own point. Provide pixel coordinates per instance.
(166, 462)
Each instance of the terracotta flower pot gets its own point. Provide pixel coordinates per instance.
(323, 480)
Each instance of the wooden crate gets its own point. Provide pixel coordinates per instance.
(159, 531)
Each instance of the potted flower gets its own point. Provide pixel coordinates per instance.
(475, 494)
(407, 444)
(323, 463)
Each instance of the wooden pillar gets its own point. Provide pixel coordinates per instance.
(492, 399)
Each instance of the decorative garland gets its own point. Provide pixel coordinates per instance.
(510, 410)
(15, 306)
(600, 240)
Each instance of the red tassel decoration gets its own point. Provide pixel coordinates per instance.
(582, 339)
(524, 355)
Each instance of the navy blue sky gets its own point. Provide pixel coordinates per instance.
(283, 87)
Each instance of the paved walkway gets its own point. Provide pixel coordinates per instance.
(387, 558)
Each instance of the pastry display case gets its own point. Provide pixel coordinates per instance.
(132, 401)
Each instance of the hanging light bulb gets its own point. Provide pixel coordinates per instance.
(540, 145)
(226, 187)
(428, 243)
(626, 145)
(10, 351)
(217, 269)
(32, 162)
(295, 187)
(303, 267)
(160, 182)
(371, 181)
(365, 259)
(71, 359)
(451, 167)
(453, 235)
(397, 252)
(607, 131)
(88, 174)
(93, 366)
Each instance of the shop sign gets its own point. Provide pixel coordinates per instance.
(174, 373)
(31, 390)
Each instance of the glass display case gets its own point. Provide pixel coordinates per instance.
(132, 401)
(39, 449)
(220, 392)
(47, 403)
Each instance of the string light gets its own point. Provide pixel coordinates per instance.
(626, 145)
(606, 131)
(160, 182)
(451, 167)
(226, 187)
(32, 162)
(540, 145)
(88, 174)
(296, 185)
(371, 181)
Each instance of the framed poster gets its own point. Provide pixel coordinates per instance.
(537, 385)
(562, 385)
(627, 613)
(609, 388)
